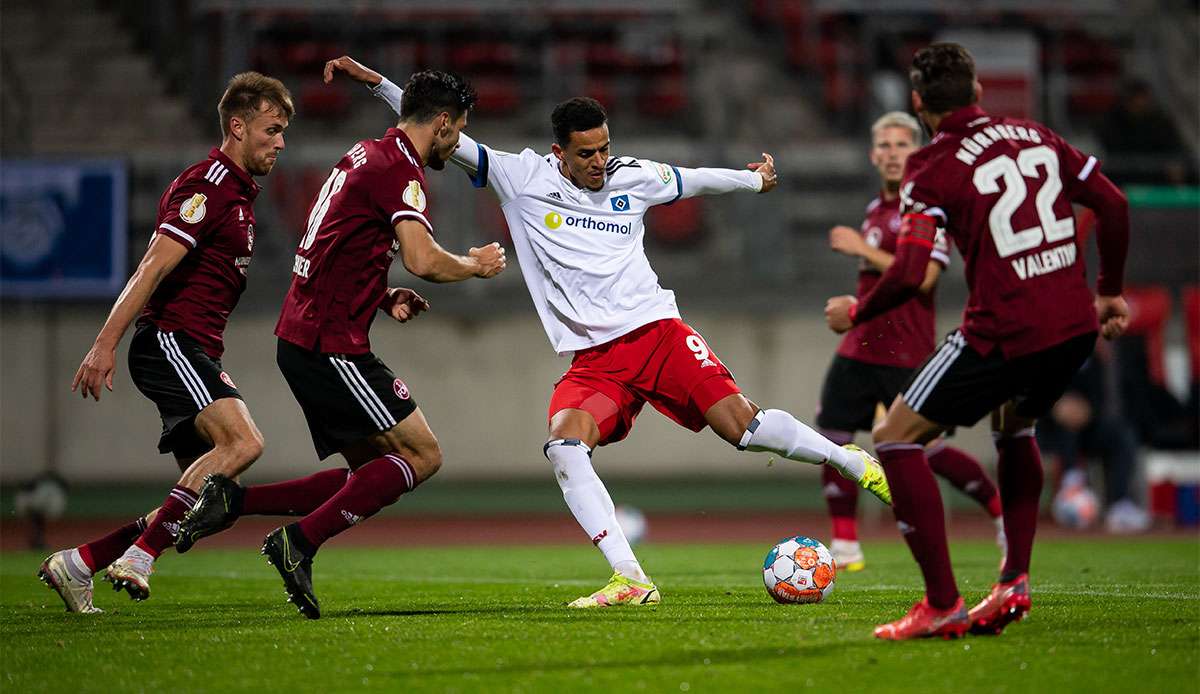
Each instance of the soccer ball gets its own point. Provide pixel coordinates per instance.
(1076, 506)
(799, 569)
(632, 522)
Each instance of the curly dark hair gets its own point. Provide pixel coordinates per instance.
(576, 115)
(944, 75)
(430, 92)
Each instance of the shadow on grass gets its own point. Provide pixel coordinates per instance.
(709, 658)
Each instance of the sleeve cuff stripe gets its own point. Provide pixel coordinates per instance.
(678, 184)
(480, 179)
(1087, 169)
(414, 215)
(178, 232)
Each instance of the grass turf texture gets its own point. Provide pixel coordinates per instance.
(1107, 616)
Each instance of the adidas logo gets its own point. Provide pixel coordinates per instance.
(831, 491)
(554, 194)
(905, 528)
(707, 362)
(350, 517)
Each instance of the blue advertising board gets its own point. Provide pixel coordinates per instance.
(63, 228)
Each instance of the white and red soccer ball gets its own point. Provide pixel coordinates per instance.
(799, 570)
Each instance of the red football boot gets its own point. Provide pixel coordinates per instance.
(1007, 603)
(924, 621)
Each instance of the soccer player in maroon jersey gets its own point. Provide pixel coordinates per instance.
(1002, 188)
(372, 207)
(180, 296)
(877, 357)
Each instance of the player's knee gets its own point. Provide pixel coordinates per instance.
(889, 430)
(426, 461)
(249, 448)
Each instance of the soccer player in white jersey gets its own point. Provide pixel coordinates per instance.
(575, 217)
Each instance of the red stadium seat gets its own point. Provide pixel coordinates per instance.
(679, 224)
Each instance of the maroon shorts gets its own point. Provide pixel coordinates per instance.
(665, 363)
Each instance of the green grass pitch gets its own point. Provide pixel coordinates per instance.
(1108, 616)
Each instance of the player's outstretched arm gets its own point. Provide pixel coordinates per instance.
(425, 258)
(352, 69)
(99, 363)
(758, 177)
(403, 304)
(466, 156)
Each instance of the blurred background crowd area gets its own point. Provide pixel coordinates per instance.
(692, 82)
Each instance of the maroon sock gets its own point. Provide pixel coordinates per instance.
(963, 471)
(298, 497)
(841, 495)
(161, 532)
(101, 552)
(1020, 473)
(371, 487)
(918, 508)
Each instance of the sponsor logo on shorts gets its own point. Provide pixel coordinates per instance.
(400, 388)
(227, 380)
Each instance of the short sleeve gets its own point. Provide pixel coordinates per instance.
(505, 173)
(1074, 166)
(192, 211)
(659, 184)
(922, 192)
(401, 195)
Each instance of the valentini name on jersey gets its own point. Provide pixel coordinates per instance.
(582, 251)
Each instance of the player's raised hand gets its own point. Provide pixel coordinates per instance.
(97, 367)
(1113, 313)
(837, 313)
(766, 169)
(353, 69)
(406, 304)
(845, 240)
(490, 258)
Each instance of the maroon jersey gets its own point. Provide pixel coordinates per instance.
(1003, 188)
(209, 208)
(903, 336)
(339, 276)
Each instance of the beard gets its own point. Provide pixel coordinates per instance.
(261, 167)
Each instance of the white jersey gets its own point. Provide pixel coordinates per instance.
(582, 252)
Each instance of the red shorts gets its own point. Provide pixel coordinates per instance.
(665, 363)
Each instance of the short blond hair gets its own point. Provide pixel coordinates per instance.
(897, 119)
(246, 93)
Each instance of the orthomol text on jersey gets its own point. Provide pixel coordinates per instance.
(555, 221)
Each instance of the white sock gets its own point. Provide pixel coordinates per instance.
(76, 568)
(779, 432)
(591, 505)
